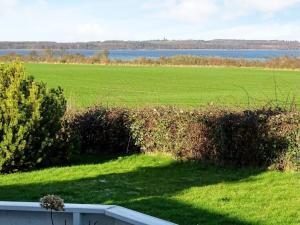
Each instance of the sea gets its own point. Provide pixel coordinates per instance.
(261, 55)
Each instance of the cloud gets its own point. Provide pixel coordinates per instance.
(234, 9)
(192, 10)
(42, 20)
(88, 31)
(90, 28)
(202, 10)
(7, 6)
(256, 32)
(184, 10)
(269, 6)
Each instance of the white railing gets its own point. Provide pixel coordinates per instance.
(30, 213)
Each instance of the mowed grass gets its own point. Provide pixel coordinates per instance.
(86, 85)
(186, 193)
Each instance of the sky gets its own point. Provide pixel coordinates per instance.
(99, 20)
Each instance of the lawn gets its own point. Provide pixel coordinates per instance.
(86, 85)
(183, 192)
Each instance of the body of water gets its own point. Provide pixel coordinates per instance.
(133, 54)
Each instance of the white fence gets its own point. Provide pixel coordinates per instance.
(30, 213)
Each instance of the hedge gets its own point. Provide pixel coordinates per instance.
(265, 138)
(97, 130)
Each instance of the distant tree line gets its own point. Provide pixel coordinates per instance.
(157, 44)
(284, 62)
(102, 57)
(57, 56)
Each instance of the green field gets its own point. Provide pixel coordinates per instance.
(183, 192)
(86, 85)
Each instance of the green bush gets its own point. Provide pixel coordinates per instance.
(30, 117)
(182, 134)
(98, 130)
(286, 126)
(248, 138)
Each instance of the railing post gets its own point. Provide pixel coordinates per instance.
(76, 218)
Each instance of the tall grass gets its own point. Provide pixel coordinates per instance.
(284, 62)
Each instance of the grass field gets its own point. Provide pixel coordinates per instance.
(183, 192)
(86, 85)
(186, 193)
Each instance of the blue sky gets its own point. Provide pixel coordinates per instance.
(93, 20)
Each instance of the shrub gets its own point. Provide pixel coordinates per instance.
(66, 142)
(184, 134)
(98, 130)
(286, 126)
(260, 138)
(246, 138)
(52, 203)
(29, 120)
(249, 138)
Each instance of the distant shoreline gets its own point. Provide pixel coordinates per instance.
(219, 44)
(282, 62)
(249, 54)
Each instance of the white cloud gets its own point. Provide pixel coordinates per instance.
(7, 6)
(90, 28)
(256, 32)
(184, 10)
(40, 21)
(43, 3)
(269, 6)
(202, 10)
(173, 19)
(233, 9)
(192, 10)
(88, 31)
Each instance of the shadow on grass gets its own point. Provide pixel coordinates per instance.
(149, 190)
(88, 159)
